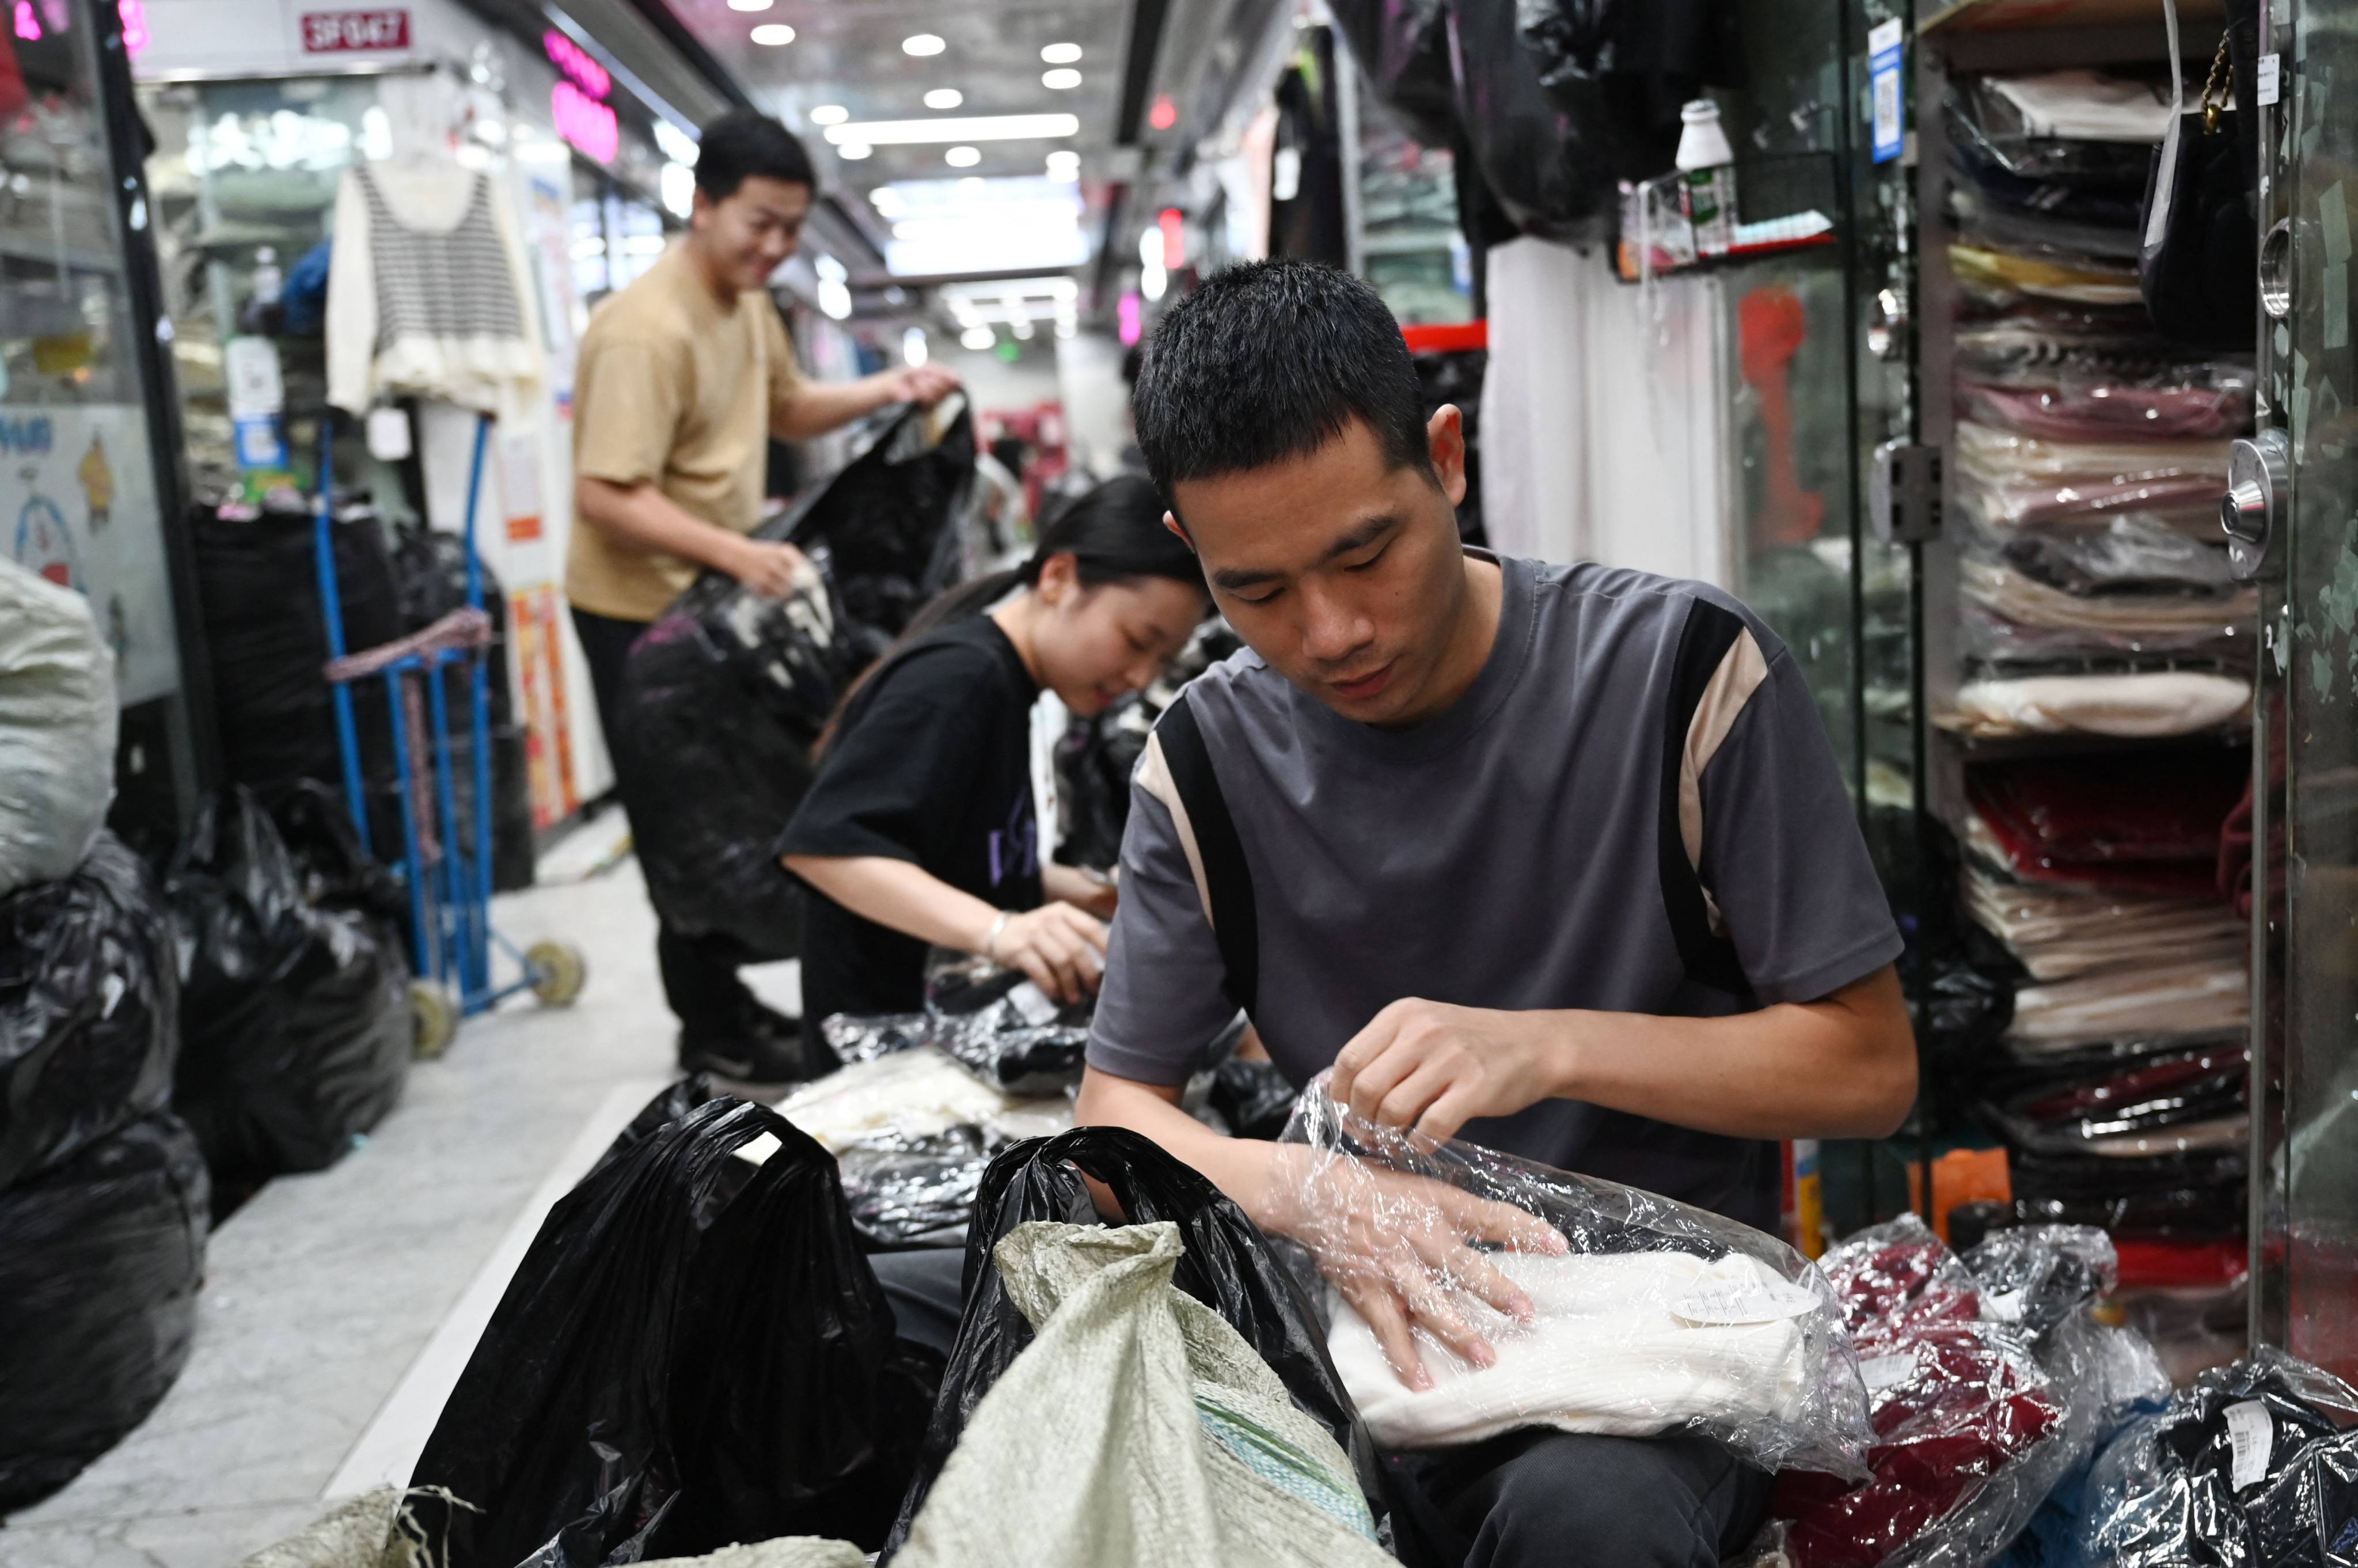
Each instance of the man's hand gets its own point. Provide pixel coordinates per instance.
(1432, 1067)
(1059, 949)
(772, 570)
(1399, 1248)
(922, 384)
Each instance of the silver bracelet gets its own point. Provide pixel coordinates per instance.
(998, 926)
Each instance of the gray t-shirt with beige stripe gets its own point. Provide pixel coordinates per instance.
(1634, 808)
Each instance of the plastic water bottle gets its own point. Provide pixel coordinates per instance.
(1707, 177)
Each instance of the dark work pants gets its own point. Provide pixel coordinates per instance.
(699, 973)
(1529, 1500)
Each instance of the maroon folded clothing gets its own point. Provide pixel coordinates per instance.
(2110, 412)
(2091, 811)
(1952, 1400)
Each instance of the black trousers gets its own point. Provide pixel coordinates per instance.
(699, 973)
(1533, 1498)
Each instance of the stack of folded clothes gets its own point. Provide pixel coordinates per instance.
(2089, 453)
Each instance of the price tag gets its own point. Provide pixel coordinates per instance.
(2270, 82)
(1744, 1297)
(1883, 56)
(2251, 1437)
(1881, 1372)
(1032, 1004)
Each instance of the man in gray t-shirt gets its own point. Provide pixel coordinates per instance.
(1555, 858)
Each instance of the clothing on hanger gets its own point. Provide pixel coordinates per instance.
(429, 293)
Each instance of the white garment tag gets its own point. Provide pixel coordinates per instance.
(757, 1151)
(1731, 1300)
(2005, 1306)
(1032, 1004)
(388, 433)
(2270, 83)
(1881, 1372)
(2251, 1434)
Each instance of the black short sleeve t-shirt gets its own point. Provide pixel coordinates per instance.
(932, 764)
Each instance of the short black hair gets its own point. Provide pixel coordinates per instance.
(1271, 360)
(743, 144)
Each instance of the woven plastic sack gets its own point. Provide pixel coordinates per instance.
(58, 720)
(1138, 1429)
(1647, 1315)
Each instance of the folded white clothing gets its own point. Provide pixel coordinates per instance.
(914, 1094)
(2085, 105)
(2173, 999)
(2024, 600)
(2141, 706)
(1626, 1345)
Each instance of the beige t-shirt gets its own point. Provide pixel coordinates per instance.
(671, 387)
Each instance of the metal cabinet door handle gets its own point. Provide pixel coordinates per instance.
(2260, 487)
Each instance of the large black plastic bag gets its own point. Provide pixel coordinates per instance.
(296, 1024)
(693, 1353)
(90, 1005)
(1402, 49)
(100, 1263)
(1229, 1265)
(726, 694)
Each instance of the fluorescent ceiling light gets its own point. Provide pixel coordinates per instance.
(977, 339)
(923, 44)
(1064, 76)
(1060, 54)
(854, 150)
(749, 5)
(973, 128)
(834, 298)
(830, 114)
(677, 144)
(773, 34)
(1060, 289)
(887, 202)
(944, 98)
(828, 267)
(962, 157)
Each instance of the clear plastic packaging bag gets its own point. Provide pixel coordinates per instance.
(1996, 454)
(1647, 1315)
(1989, 1383)
(1992, 644)
(2178, 1491)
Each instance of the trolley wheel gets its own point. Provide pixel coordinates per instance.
(437, 1017)
(557, 971)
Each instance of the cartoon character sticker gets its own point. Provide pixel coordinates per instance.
(44, 545)
(97, 482)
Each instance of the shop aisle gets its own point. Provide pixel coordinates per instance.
(322, 1293)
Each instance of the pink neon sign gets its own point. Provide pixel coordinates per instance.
(587, 126)
(575, 62)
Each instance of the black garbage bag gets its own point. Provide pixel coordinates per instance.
(725, 696)
(296, 1024)
(1254, 1097)
(101, 1258)
(1402, 46)
(1003, 1028)
(89, 1003)
(693, 1353)
(1229, 1265)
(894, 518)
(266, 637)
(334, 872)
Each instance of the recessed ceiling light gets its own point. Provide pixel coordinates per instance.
(852, 150)
(1064, 76)
(966, 128)
(977, 339)
(944, 98)
(962, 157)
(830, 114)
(749, 5)
(923, 44)
(1060, 54)
(774, 34)
(1064, 166)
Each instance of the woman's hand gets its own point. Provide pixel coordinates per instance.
(1081, 888)
(1058, 947)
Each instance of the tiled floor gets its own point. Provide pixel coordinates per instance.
(322, 1293)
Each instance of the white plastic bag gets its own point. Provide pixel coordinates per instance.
(58, 719)
(1138, 1429)
(1652, 1316)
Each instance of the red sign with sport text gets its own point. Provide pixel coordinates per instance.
(355, 32)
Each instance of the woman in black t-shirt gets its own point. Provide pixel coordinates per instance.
(919, 829)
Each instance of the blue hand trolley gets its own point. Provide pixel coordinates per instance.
(448, 881)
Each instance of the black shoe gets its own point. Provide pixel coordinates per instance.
(745, 1056)
(769, 1023)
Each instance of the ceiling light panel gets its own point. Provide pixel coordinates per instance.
(830, 114)
(944, 98)
(773, 34)
(1060, 54)
(923, 44)
(970, 128)
(1060, 79)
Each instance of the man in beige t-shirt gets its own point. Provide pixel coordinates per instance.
(681, 380)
